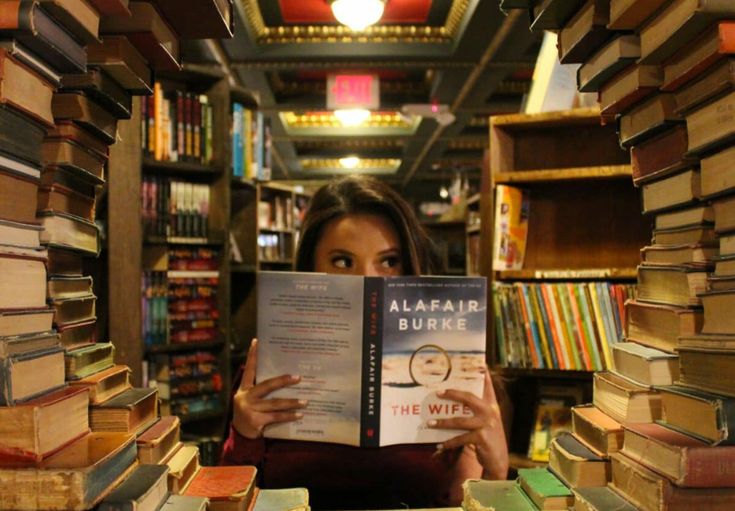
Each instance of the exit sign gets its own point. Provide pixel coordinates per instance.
(353, 91)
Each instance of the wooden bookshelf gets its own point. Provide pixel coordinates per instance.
(584, 230)
(473, 230)
(133, 251)
(449, 240)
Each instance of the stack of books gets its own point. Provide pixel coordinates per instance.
(251, 144)
(664, 73)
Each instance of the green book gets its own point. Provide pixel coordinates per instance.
(88, 360)
(545, 489)
(145, 488)
(482, 495)
(286, 499)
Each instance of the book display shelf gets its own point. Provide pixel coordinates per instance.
(558, 299)
(266, 218)
(179, 138)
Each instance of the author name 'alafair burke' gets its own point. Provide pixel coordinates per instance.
(444, 323)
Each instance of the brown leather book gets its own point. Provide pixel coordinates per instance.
(201, 20)
(661, 155)
(77, 107)
(123, 62)
(24, 90)
(77, 16)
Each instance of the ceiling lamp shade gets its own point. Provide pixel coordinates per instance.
(358, 14)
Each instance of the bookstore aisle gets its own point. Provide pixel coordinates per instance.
(78, 430)
(656, 434)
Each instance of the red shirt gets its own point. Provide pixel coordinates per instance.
(344, 477)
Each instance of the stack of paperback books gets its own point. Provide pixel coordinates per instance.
(664, 73)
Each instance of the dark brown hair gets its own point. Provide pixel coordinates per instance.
(365, 195)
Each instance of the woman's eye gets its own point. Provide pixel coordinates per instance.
(391, 262)
(342, 262)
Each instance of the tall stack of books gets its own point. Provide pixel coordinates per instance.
(663, 71)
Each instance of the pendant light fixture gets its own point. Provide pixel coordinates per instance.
(358, 14)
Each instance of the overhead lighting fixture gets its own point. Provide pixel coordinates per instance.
(349, 162)
(352, 116)
(358, 14)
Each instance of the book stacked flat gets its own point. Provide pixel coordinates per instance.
(669, 88)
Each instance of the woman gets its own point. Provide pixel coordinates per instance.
(360, 226)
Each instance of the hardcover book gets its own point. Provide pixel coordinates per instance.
(649, 491)
(132, 411)
(27, 343)
(600, 498)
(30, 431)
(686, 461)
(293, 499)
(29, 375)
(483, 495)
(511, 227)
(372, 352)
(227, 488)
(184, 503)
(89, 467)
(596, 430)
(575, 464)
(88, 360)
(144, 490)
(183, 466)
(105, 384)
(545, 489)
(158, 441)
(697, 413)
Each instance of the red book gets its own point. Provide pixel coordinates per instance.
(661, 155)
(684, 460)
(227, 488)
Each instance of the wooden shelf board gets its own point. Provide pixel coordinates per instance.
(241, 182)
(543, 373)
(178, 347)
(244, 96)
(541, 175)
(182, 240)
(194, 73)
(475, 199)
(276, 261)
(473, 229)
(547, 119)
(567, 274)
(179, 167)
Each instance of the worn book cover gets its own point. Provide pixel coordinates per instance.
(144, 490)
(224, 485)
(372, 352)
(483, 495)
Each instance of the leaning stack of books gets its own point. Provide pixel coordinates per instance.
(663, 71)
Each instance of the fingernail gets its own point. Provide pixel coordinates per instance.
(431, 423)
(439, 448)
(295, 377)
(299, 415)
(303, 402)
(440, 393)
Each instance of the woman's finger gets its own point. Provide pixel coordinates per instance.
(265, 387)
(251, 364)
(278, 405)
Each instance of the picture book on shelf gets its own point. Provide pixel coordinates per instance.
(372, 352)
(511, 227)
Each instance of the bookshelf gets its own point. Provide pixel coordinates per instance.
(181, 324)
(583, 239)
(266, 218)
(473, 235)
(449, 240)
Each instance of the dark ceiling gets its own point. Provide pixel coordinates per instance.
(463, 53)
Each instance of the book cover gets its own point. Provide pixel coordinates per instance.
(30, 431)
(296, 499)
(372, 352)
(29, 375)
(545, 489)
(599, 498)
(511, 227)
(158, 441)
(231, 483)
(184, 503)
(482, 495)
(686, 461)
(144, 490)
(90, 467)
(697, 413)
(27, 343)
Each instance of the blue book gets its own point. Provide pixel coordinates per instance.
(238, 163)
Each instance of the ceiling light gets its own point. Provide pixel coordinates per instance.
(349, 162)
(352, 116)
(358, 14)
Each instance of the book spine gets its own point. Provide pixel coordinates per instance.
(547, 345)
(536, 360)
(706, 467)
(6, 382)
(557, 332)
(372, 354)
(587, 322)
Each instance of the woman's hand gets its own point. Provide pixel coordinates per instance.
(252, 411)
(485, 432)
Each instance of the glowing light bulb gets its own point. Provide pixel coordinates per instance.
(352, 116)
(358, 14)
(349, 162)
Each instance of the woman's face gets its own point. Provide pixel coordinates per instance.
(360, 244)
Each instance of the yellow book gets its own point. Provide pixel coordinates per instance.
(600, 320)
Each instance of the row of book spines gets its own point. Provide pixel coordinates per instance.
(169, 313)
(177, 126)
(274, 247)
(568, 326)
(251, 144)
(277, 213)
(175, 208)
